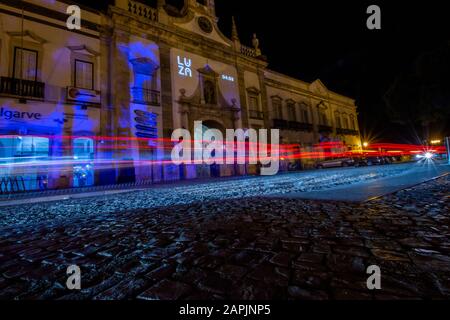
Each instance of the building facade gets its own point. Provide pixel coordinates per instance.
(98, 105)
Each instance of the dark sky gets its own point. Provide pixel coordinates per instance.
(329, 40)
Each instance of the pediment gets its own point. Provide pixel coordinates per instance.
(192, 25)
(208, 71)
(276, 97)
(28, 36)
(319, 88)
(290, 101)
(254, 90)
(83, 49)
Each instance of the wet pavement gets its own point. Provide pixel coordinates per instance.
(237, 248)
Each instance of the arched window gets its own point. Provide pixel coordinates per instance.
(209, 92)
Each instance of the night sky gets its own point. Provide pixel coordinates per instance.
(329, 40)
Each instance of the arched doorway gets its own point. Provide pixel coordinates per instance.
(212, 170)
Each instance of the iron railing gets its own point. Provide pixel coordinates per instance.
(146, 96)
(256, 114)
(22, 88)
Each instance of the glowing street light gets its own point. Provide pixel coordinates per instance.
(365, 144)
(428, 155)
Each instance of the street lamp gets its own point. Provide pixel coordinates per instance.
(365, 144)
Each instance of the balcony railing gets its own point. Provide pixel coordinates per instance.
(247, 51)
(280, 124)
(22, 88)
(142, 10)
(300, 126)
(146, 96)
(350, 132)
(256, 114)
(325, 128)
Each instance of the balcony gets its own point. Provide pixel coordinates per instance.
(325, 128)
(280, 124)
(22, 88)
(255, 114)
(349, 132)
(146, 96)
(300, 126)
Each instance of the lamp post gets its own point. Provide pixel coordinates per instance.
(447, 145)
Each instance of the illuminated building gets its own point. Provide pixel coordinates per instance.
(138, 72)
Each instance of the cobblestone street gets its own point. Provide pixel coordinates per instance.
(250, 248)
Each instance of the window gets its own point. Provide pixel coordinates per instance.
(352, 122)
(304, 113)
(209, 92)
(84, 75)
(32, 146)
(25, 64)
(143, 81)
(291, 111)
(345, 122)
(338, 120)
(253, 103)
(277, 109)
(323, 120)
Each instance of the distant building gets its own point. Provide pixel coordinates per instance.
(76, 97)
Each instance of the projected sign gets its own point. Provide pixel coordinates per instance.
(227, 78)
(146, 124)
(184, 67)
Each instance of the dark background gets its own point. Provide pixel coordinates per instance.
(329, 40)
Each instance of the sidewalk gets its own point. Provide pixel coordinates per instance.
(43, 199)
(371, 190)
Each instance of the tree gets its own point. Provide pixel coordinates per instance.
(421, 96)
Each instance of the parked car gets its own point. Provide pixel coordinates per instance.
(335, 163)
(372, 161)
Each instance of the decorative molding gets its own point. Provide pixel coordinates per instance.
(144, 66)
(85, 48)
(276, 97)
(208, 71)
(254, 90)
(29, 34)
(290, 101)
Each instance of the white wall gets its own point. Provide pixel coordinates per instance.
(229, 89)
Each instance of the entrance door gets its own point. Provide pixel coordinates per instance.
(83, 169)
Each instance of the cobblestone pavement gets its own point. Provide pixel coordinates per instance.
(252, 248)
(184, 194)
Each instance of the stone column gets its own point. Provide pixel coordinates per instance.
(243, 98)
(166, 91)
(264, 100)
(124, 147)
(105, 145)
